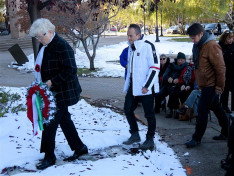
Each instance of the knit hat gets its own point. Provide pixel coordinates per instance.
(181, 55)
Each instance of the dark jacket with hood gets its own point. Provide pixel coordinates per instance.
(173, 71)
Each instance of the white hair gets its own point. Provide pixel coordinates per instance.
(41, 26)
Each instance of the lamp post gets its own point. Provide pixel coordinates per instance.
(143, 6)
(144, 21)
(156, 4)
(161, 24)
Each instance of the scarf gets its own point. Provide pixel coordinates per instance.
(187, 76)
(205, 38)
(38, 61)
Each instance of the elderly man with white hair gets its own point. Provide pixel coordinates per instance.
(59, 71)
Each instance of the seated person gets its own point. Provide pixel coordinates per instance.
(164, 62)
(171, 78)
(185, 85)
(191, 102)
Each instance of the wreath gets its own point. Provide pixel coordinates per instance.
(44, 104)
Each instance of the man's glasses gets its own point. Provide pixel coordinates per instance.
(163, 58)
(40, 37)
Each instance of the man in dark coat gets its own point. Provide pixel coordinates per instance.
(59, 71)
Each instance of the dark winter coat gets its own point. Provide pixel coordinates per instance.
(59, 66)
(173, 71)
(162, 71)
(228, 55)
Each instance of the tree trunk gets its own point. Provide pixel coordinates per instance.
(91, 65)
(94, 44)
(34, 14)
(74, 47)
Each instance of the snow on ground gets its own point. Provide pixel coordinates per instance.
(98, 128)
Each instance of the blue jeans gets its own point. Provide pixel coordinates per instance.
(192, 101)
(209, 100)
(130, 105)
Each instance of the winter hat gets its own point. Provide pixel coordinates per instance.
(181, 55)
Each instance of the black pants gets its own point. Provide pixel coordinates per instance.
(209, 100)
(159, 97)
(62, 118)
(225, 97)
(148, 106)
(177, 97)
(174, 96)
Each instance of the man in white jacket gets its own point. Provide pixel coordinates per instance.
(141, 82)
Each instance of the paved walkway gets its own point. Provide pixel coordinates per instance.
(203, 160)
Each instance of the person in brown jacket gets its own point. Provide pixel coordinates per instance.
(210, 77)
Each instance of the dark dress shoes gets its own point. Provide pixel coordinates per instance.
(170, 115)
(46, 162)
(77, 154)
(192, 143)
(227, 110)
(220, 137)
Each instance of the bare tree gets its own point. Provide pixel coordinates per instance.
(33, 9)
(86, 20)
(78, 19)
(229, 18)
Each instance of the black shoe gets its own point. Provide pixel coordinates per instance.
(175, 114)
(157, 110)
(170, 115)
(192, 143)
(148, 144)
(182, 111)
(220, 137)
(133, 138)
(77, 154)
(163, 105)
(46, 162)
(227, 110)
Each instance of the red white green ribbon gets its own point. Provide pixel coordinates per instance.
(40, 105)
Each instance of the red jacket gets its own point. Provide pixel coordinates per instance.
(191, 81)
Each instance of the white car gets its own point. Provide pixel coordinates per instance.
(173, 30)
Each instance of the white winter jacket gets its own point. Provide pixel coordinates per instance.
(145, 69)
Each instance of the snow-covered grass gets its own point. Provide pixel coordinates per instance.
(99, 128)
(107, 58)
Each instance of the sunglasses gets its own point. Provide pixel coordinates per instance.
(163, 58)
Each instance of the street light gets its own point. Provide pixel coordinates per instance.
(144, 9)
(156, 6)
(161, 24)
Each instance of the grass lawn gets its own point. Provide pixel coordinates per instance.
(86, 71)
(181, 39)
(184, 39)
(174, 35)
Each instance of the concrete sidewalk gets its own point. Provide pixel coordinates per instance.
(201, 161)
